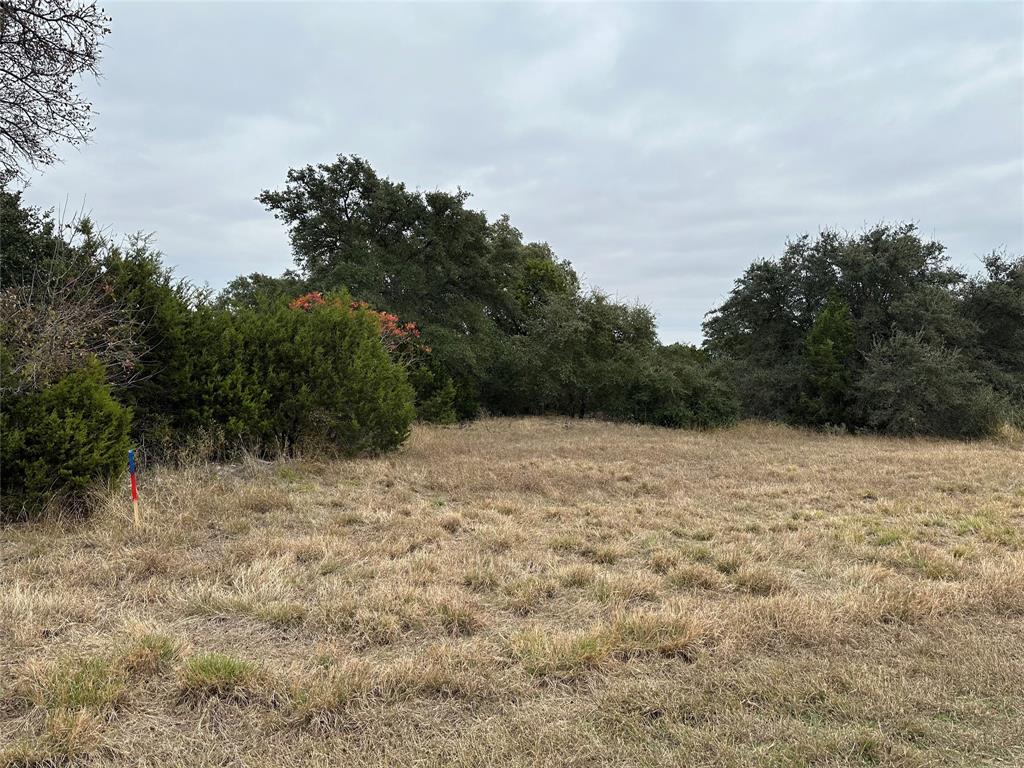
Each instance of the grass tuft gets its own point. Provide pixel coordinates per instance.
(149, 654)
(669, 633)
(560, 656)
(95, 684)
(218, 675)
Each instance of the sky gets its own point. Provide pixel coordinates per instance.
(661, 148)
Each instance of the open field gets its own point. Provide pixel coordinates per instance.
(534, 592)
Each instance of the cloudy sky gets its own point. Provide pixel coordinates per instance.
(659, 147)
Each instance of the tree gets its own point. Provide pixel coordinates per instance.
(829, 347)
(591, 356)
(45, 46)
(258, 290)
(913, 387)
(424, 256)
(757, 335)
(420, 255)
(509, 328)
(533, 276)
(994, 302)
(795, 330)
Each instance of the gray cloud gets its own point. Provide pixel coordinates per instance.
(661, 148)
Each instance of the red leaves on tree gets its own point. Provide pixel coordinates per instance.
(398, 337)
(390, 325)
(307, 301)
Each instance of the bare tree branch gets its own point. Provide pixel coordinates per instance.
(45, 48)
(63, 313)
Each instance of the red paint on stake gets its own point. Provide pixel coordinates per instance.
(135, 490)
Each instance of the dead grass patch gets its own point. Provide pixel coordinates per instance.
(533, 592)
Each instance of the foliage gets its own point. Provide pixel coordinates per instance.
(994, 303)
(509, 328)
(435, 395)
(534, 274)
(56, 312)
(684, 389)
(30, 239)
(829, 349)
(796, 332)
(64, 347)
(250, 371)
(400, 339)
(420, 255)
(45, 47)
(58, 441)
(256, 290)
(911, 386)
(451, 314)
(424, 256)
(435, 391)
(158, 306)
(575, 357)
(282, 378)
(72, 294)
(590, 356)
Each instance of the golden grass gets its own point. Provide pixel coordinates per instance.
(534, 592)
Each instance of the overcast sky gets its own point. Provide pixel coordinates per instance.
(661, 148)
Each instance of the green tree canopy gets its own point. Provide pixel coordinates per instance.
(425, 256)
(796, 331)
(994, 303)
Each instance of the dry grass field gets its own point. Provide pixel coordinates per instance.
(534, 593)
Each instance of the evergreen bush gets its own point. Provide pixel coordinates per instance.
(156, 306)
(280, 377)
(435, 395)
(829, 348)
(58, 442)
(912, 387)
(681, 389)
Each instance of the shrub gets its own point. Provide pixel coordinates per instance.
(575, 357)
(912, 387)
(680, 388)
(315, 376)
(596, 357)
(59, 441)
(55, 309)
(157, 307)
(435, 395)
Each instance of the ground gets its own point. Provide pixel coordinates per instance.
(533, 592)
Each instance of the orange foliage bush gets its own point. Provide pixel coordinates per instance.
(397, 337)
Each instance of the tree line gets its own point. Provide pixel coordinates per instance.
(510, 329)
(403, 305)
(406, 304)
